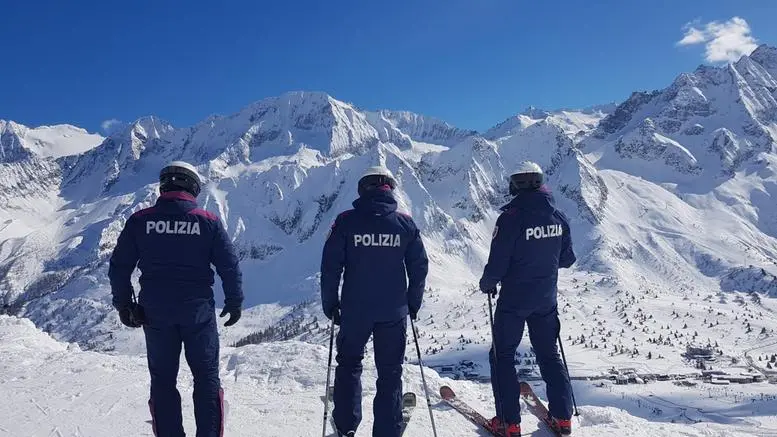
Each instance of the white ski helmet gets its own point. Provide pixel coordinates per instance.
(374, 177)
(528, 177)
(180, 176)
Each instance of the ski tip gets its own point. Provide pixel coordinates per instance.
(409, 400)
(447, 392)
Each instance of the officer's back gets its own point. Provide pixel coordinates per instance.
(541, 239)
(378, 248)
(174, 243)
(531, 242)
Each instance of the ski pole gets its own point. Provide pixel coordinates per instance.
(423, 379)
(500, 413)
(328, 374)
(564, 357)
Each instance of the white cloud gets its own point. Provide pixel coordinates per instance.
(693, 36)
(724, 42)
(108, 126)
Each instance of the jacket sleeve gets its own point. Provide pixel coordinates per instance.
(417, 265)
(332, 265)
(122, 263)
(502, 246)
(567, 256)
(227, 265)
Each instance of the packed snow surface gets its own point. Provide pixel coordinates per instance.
(51, 388)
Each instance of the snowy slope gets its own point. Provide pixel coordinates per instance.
(30, 201)
(574, 123)
(274, 389)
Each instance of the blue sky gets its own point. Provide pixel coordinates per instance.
(472, 63)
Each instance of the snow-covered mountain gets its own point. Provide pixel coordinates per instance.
(670, 196)
(18, 141)
(710, 121)
(575, 123)
(708, 141)
(277, 173)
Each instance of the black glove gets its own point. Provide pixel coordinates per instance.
(492, 291)
(234, 315)
(413, 314)
(132, 315)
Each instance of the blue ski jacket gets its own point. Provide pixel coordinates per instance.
(380, 255)
(530, 242)
(173, 244)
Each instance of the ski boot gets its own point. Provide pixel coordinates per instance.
(510, 429)
(346, 434)
(561, 426)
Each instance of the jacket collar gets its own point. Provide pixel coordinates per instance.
(532, 199)
(177, 195)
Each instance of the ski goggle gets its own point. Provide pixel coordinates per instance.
(181, 180)
(525, 181)
(373, 181)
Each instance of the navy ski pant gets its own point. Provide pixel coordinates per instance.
(201, 344)
(544, 327)
(389, 339)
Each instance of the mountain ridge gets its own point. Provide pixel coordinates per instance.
(670, 197)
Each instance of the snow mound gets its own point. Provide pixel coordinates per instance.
(20, 336)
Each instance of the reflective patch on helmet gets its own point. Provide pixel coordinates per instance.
(493, 234)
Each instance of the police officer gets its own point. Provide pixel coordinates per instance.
(530, 242)
(173, 244)
(380, 253)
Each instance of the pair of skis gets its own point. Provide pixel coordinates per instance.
(408, 405)
(534, 404)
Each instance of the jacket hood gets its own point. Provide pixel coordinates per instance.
(377, 202)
